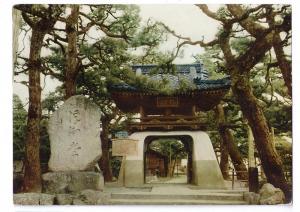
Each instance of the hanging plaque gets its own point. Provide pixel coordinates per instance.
(167, 102)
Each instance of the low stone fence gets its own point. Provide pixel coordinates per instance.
(84, 197)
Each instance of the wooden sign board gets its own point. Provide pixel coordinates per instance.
(124, 147)
(167, 102)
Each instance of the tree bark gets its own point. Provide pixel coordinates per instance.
(171, 168)
(228, 139)
(32, 177)
(224, 162)
(270, 159)
(40, 25)
(72, 64)
(104, 162)
(174, 165)
(284, 65)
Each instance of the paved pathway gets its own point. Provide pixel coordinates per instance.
(168, 193)
(181, 179)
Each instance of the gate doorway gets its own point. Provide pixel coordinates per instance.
(202, 167)
(168, 159)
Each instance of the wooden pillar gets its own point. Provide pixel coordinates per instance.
(142, 112)
(194, 110)
(168, 112)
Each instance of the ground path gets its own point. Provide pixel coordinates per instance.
(170, 194)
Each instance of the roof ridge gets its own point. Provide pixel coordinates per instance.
(184, 64)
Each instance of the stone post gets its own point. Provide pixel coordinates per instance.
(252, 169)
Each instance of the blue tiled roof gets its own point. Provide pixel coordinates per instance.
(198, 82)
(212, 84)
(122, 87)
(184, 69)
(201, 85)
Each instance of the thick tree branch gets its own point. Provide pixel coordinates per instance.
(224, 38)
(242, 16)
(41, 12)
(187, 41)
(105, 29)
(46, 70)
(284, 64)
(255, 53)
(55, 40)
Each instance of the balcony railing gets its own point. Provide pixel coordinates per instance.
(168, 123)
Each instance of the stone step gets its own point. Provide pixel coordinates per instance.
(199, 196)
(174, 202)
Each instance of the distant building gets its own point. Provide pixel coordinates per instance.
(156, 163)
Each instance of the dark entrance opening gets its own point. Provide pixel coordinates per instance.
(168, 159)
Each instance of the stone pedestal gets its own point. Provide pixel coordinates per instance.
(71, 182)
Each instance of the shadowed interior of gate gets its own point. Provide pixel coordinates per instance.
(168, 159)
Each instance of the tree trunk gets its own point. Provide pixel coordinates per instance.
(270, 159)
(72, 66)
(40, 27)
(224, 162)
(171, 168)
(228, 139)
(32, 177)
(104, 162)
(284, 65)
(235, 155)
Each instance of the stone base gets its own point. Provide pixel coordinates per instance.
(91, 197)
(71, 182)
(134, 173)
(207, 175)
(64, 199)
(85, 197)
(33, 199)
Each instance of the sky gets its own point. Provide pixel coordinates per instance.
(186, 20)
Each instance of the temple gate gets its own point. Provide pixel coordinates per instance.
(175, 115)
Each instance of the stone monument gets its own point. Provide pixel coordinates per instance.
(74, 131)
